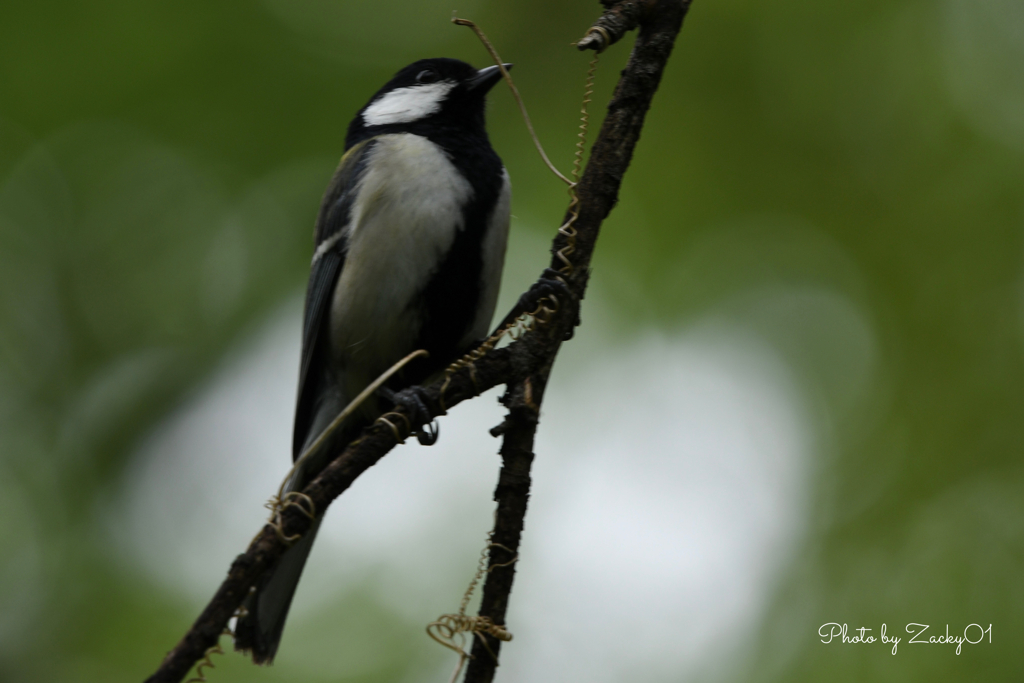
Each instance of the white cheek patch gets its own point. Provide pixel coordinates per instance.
(406, 105)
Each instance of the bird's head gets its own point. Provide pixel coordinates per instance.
(431, 93)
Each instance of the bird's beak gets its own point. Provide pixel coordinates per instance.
(486, 78)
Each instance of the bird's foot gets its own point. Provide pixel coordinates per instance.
(550, 284)
(412, 399)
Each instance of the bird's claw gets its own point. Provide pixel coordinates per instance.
(550, 283)
(427, 434)
(413, 400)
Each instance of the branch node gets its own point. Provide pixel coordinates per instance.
(619, 19)
(528, 396)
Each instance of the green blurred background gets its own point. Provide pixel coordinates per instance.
(160, 168)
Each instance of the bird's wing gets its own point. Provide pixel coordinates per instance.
(331, 238)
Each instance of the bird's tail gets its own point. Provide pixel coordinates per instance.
(259, 628)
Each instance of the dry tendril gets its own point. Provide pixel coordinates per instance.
(566, 230)
(450, 629)
(206, 662)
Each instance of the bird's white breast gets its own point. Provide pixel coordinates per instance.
(404, 221)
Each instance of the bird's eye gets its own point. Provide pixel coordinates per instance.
(426, 76)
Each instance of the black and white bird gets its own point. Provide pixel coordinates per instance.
(410, 245)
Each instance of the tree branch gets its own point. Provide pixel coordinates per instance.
(523, 366)
(598, 191)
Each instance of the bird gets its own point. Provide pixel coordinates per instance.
(409, 247)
